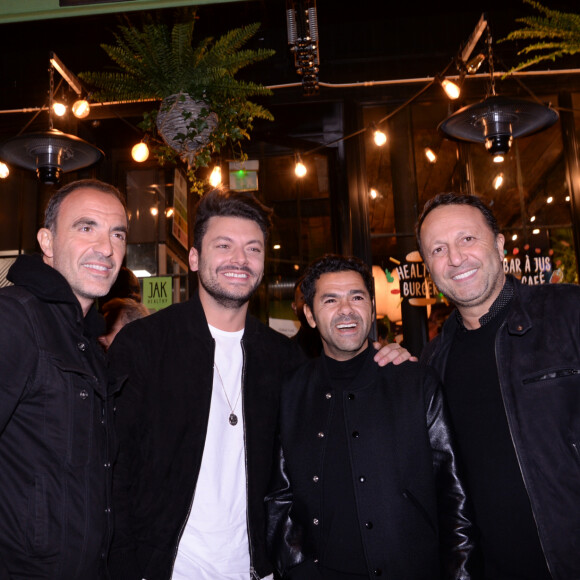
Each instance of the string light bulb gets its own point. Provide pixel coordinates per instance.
(154, 210)
(140, 152)
(373, 193)
(216, 176)
(430, 154)
(498, 180)
(4, 171)
(300, 168)
(81, 108)
(451, 89)
(169, 212)
(379, 137)
(59, 109)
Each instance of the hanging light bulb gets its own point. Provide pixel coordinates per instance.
(498, 180)
(475, 63)
(430, 154)
(140, 152)
(154, 210)
(300, 168)
(498, 158)
(514, 237)
(169, 212)
(59, 109)
(373, 193)
(550, 199)
(379, 137)
(81, 109)
(4, 171)
(451, 89)
(216, 176)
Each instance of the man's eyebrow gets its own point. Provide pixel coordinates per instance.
(84, 221)
(124, 229)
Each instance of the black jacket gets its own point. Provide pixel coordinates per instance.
(410, 502)
(162, 416)
(54, 413)
(538, 361)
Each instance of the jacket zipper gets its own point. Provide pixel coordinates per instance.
(192, 498)
(253, 573)
(509, 421)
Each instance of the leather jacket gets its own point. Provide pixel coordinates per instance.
(162, 415)
(55, 439)
(538, 361)
(411, 505)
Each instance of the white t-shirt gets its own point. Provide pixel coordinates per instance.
(214, 544)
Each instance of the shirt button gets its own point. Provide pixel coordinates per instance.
(369, 525)
(378, 572)
(107, 465)
(84, 394)
(315, 479)
(351, 396)
(355, 434)
(315, 521)
(320, 435)
(108, 510)
(82, 346)
(328, 395)
(362, 478)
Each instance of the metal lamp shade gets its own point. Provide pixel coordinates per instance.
(49, 153)
(496, 121)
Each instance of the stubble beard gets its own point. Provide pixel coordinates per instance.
(222, 297)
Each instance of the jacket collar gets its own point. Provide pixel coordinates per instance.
(49, 285)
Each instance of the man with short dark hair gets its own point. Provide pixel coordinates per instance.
(509, 358)
(197, 417)
(366, 482)
(55, 409)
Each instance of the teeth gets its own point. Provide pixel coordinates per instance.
(95, 267)
(464, 275)
(234, 275)
(341, 326)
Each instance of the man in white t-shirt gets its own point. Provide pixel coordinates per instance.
(197, 416)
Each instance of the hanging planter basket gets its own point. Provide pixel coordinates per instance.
(185, 124)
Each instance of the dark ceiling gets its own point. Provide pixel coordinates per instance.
(360, 41)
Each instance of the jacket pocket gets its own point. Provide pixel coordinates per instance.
(409, 496)
(551, 375)
(38, 537)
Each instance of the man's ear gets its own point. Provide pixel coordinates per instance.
(45, 239)
(499, 242)
(309, 316)
(193, 260)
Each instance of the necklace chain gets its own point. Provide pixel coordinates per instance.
(233, 418)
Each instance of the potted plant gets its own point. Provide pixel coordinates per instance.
(204, 107)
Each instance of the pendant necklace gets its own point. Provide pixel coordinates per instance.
(233, 418)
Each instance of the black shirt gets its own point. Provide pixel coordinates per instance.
(509, 538)
(342, 550)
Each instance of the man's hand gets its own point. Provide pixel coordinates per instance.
(392, 353)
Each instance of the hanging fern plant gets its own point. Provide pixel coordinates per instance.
(204, 107)
(552, 35)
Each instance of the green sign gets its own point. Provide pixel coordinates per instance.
(157, 292)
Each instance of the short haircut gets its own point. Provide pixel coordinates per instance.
(54, 203)
(125, 309)
(455, 199)
(224, 203)
(330, 263)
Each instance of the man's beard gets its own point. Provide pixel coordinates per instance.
(222, 297)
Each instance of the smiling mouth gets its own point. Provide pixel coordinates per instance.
(346, 326)
(96, 267)
(239, 275)
(464, 274)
